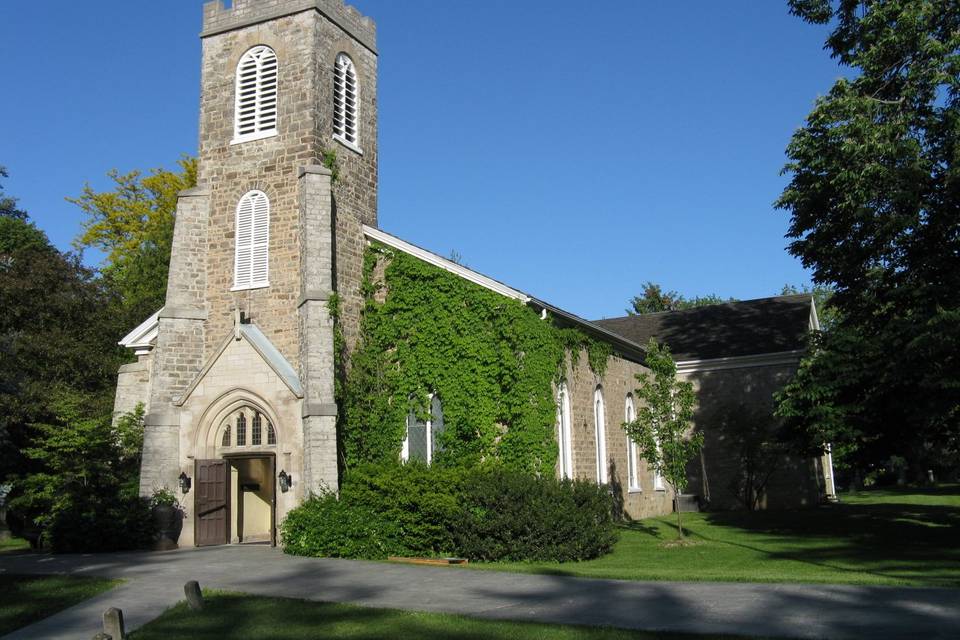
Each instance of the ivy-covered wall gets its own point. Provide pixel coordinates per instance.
(492, 360)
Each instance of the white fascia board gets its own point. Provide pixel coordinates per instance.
(144, 334)
(447, 265)
(739, 362)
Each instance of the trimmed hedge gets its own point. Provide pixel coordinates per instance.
(488, 513)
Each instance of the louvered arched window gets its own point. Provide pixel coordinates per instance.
(252, 241)
(346, 102)
(255, 114)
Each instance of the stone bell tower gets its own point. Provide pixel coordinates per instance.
(288, 91)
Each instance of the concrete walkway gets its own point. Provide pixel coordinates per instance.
(155, 581)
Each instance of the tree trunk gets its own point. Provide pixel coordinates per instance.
(679, 520)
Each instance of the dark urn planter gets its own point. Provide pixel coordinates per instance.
(168, 521)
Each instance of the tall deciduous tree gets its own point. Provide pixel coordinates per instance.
(133, 225)
(663, 426)
(874, 199)
(654, 300)
(56, 334)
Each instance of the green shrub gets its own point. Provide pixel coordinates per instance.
(488, 513)
(88, 522)
(507, 515)
(325, 526)
(421, 501)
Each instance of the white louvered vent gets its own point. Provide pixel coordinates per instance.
(346, 102)
(256, 100)
(252, 242)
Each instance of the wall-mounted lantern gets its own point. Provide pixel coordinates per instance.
(184, 482)
(285, 481)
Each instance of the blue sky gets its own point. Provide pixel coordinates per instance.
(573, 150)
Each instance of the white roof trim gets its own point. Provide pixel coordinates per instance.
(443, 263)
(142, 338)
(739, 362)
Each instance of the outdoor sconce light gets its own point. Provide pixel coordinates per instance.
(184, 482)
(285, 481)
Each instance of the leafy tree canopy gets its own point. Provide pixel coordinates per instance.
(654, 300)
(8, 205)
(874, 200)
(133, 225)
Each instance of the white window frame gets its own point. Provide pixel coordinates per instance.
(633, 457)
(344, 69)
(600, 434)
(658, 484)
(258, 224)
(563, 431)
(264, 103)
(405, 448)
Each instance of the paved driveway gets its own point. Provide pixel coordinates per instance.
(155, 581)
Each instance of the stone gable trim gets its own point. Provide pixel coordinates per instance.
(741, 362)
(285, 373)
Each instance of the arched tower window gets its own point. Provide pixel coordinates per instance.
(251, 257)
(633, 459)
(255, 113)
(600, 426)
(563, 431)
(346, 102)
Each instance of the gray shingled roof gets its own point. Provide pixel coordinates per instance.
(766, 325)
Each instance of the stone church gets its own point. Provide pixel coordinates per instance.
(237, 370)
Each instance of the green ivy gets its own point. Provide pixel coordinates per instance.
(492, 360)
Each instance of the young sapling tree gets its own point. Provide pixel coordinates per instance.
(661, 428)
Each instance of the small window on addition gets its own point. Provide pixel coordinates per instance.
(271, 434)
(225, 441)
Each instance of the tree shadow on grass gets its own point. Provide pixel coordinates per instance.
(909, 542)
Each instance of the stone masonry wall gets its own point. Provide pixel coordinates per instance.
(618, 380)
(133, 387)
(795, 483)
(306, 44)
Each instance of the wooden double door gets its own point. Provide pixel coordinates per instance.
(212, 502)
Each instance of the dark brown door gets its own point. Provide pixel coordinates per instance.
(212, 503)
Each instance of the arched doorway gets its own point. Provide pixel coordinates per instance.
(236, 490)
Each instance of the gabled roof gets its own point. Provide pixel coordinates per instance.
(262, 345)
(142, 338)
(733, 329)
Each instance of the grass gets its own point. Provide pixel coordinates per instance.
(27, 599)
(13, 544)
(230, 615)
(877, 537)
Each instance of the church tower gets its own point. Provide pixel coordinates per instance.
(243, 364)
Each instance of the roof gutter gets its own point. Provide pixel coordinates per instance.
(622, 345)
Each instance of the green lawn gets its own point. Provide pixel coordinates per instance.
(228, 615)
(27, 599)
(886, 537)
(13, 544)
